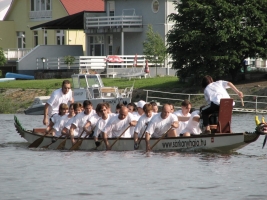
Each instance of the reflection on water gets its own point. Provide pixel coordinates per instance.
(50, 174)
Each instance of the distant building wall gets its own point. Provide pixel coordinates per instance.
(27, 65)
(133, 42)
(7, 33)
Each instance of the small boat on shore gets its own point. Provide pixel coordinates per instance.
(218, 142)
(37, 107)
(87, 87)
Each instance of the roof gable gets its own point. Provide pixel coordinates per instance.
(76, 6)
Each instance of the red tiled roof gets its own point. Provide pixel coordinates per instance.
(75, 6)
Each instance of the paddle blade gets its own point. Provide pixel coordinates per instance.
(264, 141)
(76, 145)
(36, 143)
(45, 147)
(62, 144)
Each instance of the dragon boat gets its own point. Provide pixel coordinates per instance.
(218, 142)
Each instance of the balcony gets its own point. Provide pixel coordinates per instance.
(15, 54)
(114, 24)
(40, 15)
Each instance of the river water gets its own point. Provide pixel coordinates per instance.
(50, 174)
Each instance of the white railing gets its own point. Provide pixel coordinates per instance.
(252, 103)
(91, 62)
(15, 54)
(128, 61)
(113, 21)
(40, 15)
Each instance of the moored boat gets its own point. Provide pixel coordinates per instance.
(37, 107)
(218, 142)
(87, 87)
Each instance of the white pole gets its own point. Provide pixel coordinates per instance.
(122, 43)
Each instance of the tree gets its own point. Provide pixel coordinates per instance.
(215, 37)
(2, 57)
(69, 60)
(154, 46)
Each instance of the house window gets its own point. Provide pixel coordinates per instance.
(40, 5)
(155, 6)
(60, 37)
(35, 38)
(111, 8)
(96, 47)
(21, 39)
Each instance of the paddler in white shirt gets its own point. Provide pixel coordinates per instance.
(138, 114)
(55, 125)
(192, 127)
(81, 119)
(161, 123)
(77, 107)
(117, 125)
(142, 123)
(91, 122)
(183, 115)
(102, 122)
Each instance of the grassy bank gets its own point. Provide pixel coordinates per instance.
(149, 83)
(21, 97)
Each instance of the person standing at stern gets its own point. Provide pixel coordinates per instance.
(213, 93)
(62, 95)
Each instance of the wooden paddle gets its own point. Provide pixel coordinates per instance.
(78, 143)
(242, 102)
(37, 142)
(160, 138)
(62, 144)
(139, 141)
(119, 137)
(53, 141)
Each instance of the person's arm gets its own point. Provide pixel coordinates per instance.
(147, 141)
(183, 119)
(72, 100)
(86, 126)
(133, 123)
(175, 124)
(239, 93)
(105, 139)
(45, 120)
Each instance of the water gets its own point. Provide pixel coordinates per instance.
(50, 174)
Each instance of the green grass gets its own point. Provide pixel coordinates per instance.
(164, 83)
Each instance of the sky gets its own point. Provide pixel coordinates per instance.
(3, 7)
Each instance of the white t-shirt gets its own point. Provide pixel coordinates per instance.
(56, 98)
(68, 125)
(182, 124)
(192, 126)
(215, 91)
(158, 126)
(136, 115)
(59, 124)
(80, 121)
(116, 126)
(55, 118)
(136, 118)
(141, 124)
(93, 120)
(100, 125)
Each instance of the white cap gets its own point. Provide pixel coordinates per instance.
(141, 104)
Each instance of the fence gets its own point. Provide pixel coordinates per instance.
(252, 103)
(15, 54)
(93, 62)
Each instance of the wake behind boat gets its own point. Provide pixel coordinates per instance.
(218, 142)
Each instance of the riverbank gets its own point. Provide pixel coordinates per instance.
(17, 100)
